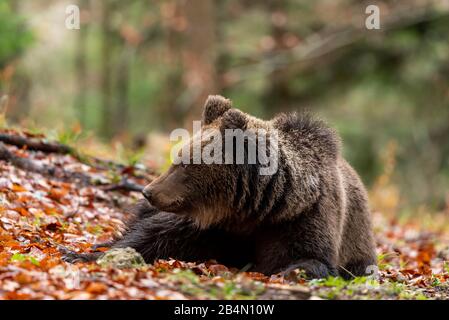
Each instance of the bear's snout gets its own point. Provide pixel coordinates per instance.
(148, 194)
(162, 199)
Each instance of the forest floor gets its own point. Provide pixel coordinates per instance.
(49, 200)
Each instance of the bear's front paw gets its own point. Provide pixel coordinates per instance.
(73, 257)
(313, 269)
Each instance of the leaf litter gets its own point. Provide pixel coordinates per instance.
(39, 214)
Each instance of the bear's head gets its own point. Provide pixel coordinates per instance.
(208, 191)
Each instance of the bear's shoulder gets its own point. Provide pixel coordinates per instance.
(305, 130)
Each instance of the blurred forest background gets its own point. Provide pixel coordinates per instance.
(138, 69)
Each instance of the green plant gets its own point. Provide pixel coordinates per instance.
(18, 257)
(14, 36)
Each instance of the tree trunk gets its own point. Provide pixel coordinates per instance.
(278, 96)
(106, 68)
(169, 109)
(199, 55)
(121, 114)
(81, 68)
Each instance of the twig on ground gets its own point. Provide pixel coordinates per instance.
(60, 174)
(23, 163)
(124, 185)
(35, 144)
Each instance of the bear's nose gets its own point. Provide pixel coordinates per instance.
(148, 194)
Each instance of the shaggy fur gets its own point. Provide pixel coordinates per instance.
(311, 214)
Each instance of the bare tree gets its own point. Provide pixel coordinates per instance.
(121, 112)
(106, 67)
(169, 109)
(81, 67)
(199, 55)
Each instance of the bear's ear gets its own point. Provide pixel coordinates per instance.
(214, 108)
(234, 119)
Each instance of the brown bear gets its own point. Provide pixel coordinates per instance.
(311, 213)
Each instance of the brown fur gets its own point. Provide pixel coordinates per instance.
(311, 214)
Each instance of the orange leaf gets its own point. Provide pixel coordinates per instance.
(96, 288)
(56, 194)
(23, 212)
(18, 188)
